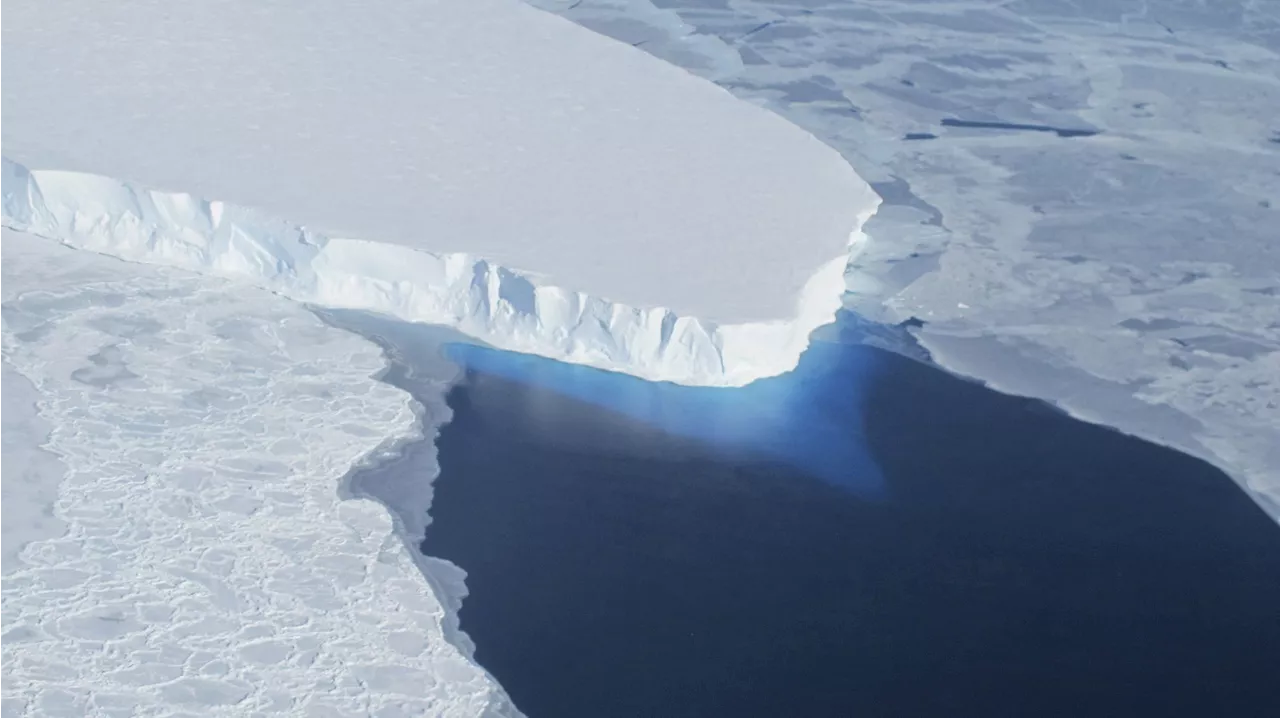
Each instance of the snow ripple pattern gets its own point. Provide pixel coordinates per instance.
(497, 305)
(210, 567)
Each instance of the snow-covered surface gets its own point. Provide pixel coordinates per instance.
(209, 564)
(482, 127)
(30, 474)
(1130, 276)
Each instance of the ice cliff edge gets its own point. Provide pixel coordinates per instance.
(498, 305)
(532, 183)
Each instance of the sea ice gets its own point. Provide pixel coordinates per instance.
(207, 562)
(1080, 199)
(31, 475)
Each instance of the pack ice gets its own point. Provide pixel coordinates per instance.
(1080, 200)
(479, 164)
(177, 537)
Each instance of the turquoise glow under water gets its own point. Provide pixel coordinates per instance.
(809, 419)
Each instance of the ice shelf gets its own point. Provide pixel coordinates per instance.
(537, 185)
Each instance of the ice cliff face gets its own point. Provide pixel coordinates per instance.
(494, 304)
(536, 185)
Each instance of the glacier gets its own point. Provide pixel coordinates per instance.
(479, 163)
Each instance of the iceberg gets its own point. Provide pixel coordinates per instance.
(480, 164)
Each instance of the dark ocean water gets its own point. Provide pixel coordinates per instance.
(867, 536)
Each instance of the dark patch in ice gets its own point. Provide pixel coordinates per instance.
(898, 192)
(909, 93)
(906, 271)
(919, 136)
(692, 4)
(20, 634)
(912, 323)
(108, 368)
(212, 398)
(1152, 325)
(751, 57)
(35, 335)
(854, 329)
(850, 61)
(758, 28)
(810, 90)
(817, 4)
(1226, 345)
(1017, 126)
(977, 21)
(517, 291)
(975, 62)
(235, 329)
(126, 326)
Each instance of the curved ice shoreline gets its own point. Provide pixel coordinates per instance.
(498, 305)
(201, 428)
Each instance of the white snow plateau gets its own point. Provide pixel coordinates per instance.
(481, 164)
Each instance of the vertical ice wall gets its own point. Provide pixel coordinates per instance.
(670, 228)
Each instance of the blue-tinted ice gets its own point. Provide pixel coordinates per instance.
(802, 418)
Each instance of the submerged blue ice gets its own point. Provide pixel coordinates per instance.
(810, 419)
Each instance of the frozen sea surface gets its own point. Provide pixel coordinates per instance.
(31, 474)
(1080, 199)
(205, 561)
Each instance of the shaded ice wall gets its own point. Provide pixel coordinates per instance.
(475, 129)
(505, 308)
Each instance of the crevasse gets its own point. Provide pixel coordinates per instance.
(497, 305)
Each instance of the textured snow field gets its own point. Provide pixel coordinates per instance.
(1131, 276)
(202, 431)
(31, 475)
